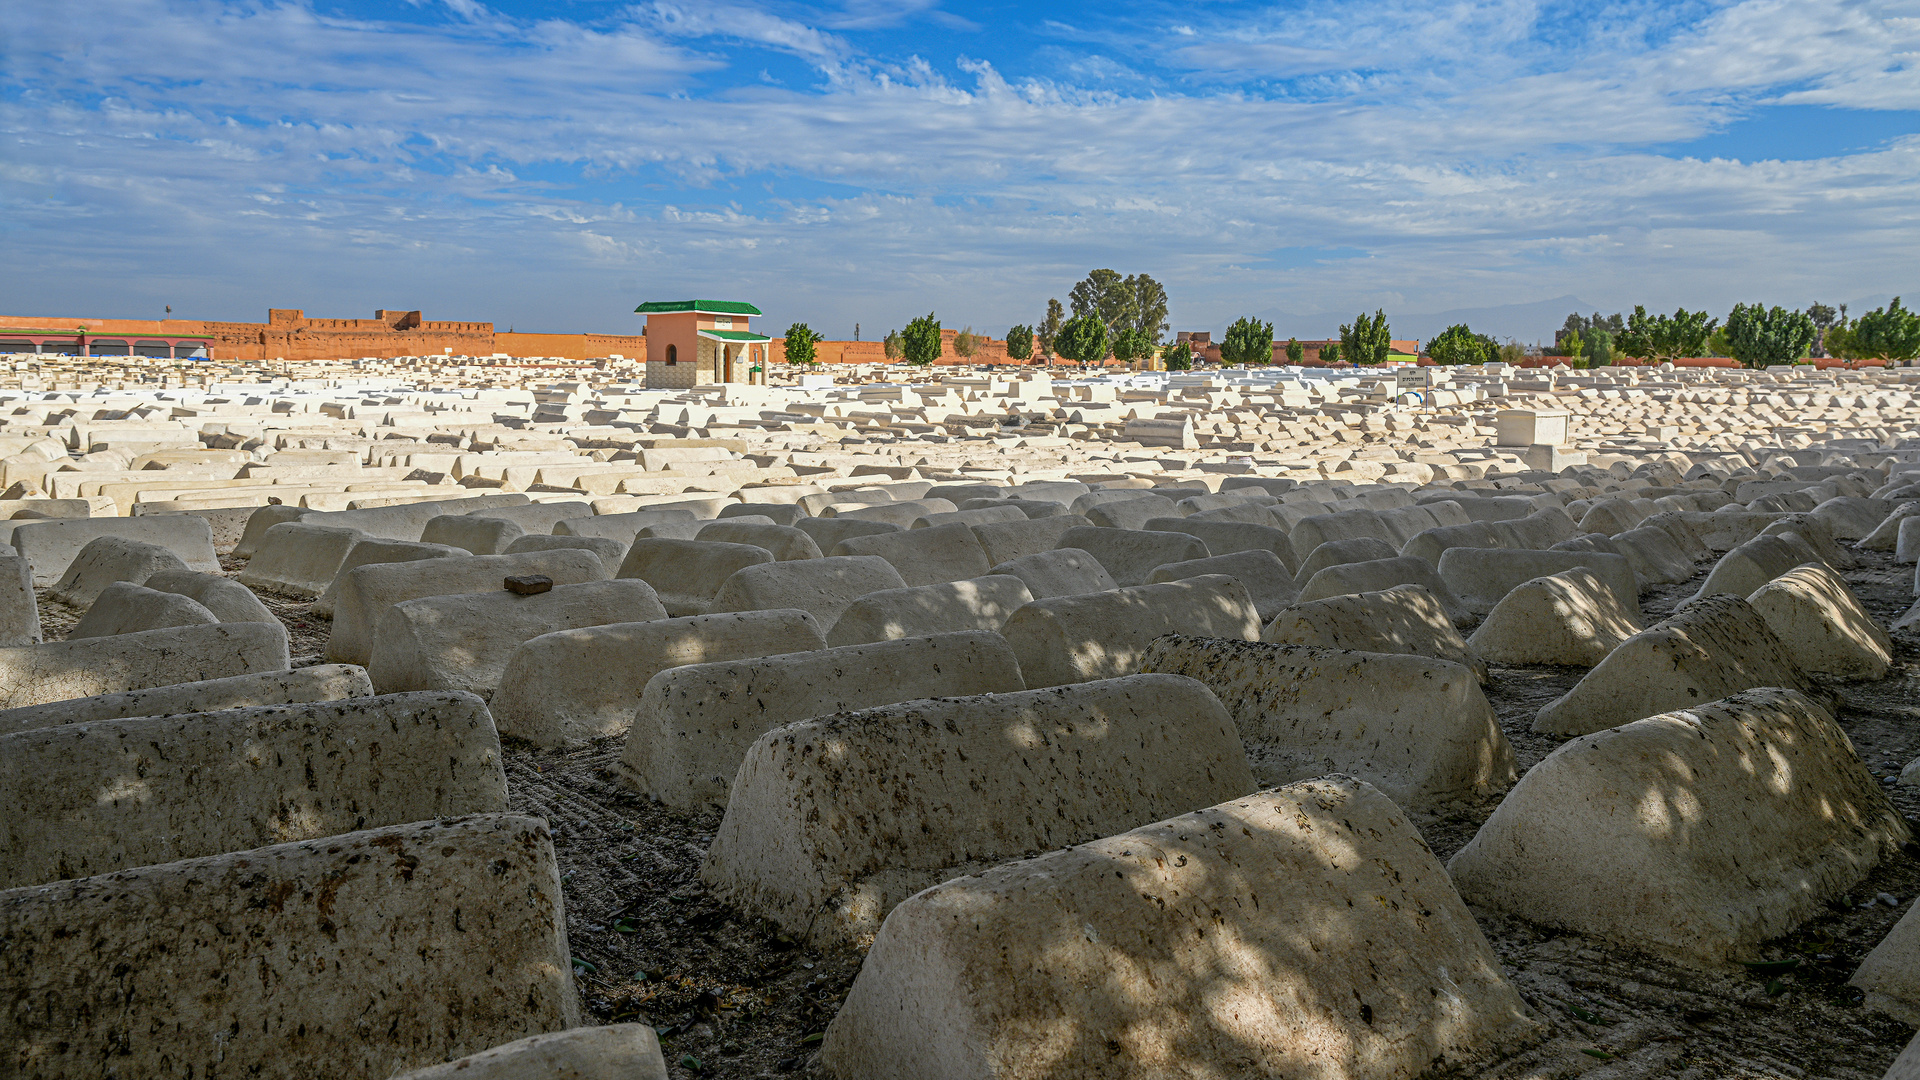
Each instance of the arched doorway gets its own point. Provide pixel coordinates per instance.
(673, 355)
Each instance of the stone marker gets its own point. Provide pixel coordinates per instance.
(1695, 835)
(51, 546)
(322, 682)
(105, 561)
(696, 723)
(1131, 556)
(1404, 619)
(56, 670)
(1655, 558)
(929, 556)
(463, 641)
(1708, 650)
(1570, 618)
(528, 584)
(1482, 577)
(827, 532)
(562, 688)
(125, 608)
(1060, 572)
(835, 820)
(614, 1052)
(688, 573)
(262, 519)
(229, 600)
(367, 591)
(1379, 575)
(1826, 631)
(1417, 728)
(364, 954)
(824, 587)
(1300, 932)
(1071, 639)
(109, 795)
(376, 550)
(984, 603)
(19, 608)
(480, 535)
(1890, 975)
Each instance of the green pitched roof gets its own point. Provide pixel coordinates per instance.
(733, 335)
(715, 307)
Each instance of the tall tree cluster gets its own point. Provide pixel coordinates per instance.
(1367, 339)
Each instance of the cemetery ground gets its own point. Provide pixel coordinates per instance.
(733, 996)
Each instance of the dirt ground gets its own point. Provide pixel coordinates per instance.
(733, 997)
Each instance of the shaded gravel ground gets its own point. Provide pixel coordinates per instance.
(732, 997)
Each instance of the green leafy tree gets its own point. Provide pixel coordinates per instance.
(1020, 342)
(1663, 337)
(1330, 353)
(800, 344)
(1758, 335)
(1890, 334)
(1149, 306)
(1177, 357)
(1571, 347)
(1083, 339)
(966, 343)
(920, 344)
(1824, 319)
(1599, 347)
(1296, 352)
(1248, 341)
(1368, 339)
(895, 345)
(1458, 344)
(1049, 330)
(1133, 302)
(1132, 345)
(1513, 352)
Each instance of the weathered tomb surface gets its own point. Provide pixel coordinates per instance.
(364, 954)
(1379, 575)
(57, 670)
(107, 560)
(927, 556)
(1754, 563)
(1404, 619)
(52, 546)
(106, 795)
(479, 535)
(1130, 556)
(1821, 623)
(1265, 576)
(229, 600)
(1300, 931)
(834, 820)
(695, 724)
(1482, 577)
(1417, 728)
(1713, 648)
(1890, 975)
(1069, 639)
(1570, 618)
(614, 1052)
(126, 608)
(1059, 572)
(368, 591)
(824, 587)
(565, 687)
(321, 682)
(300, 559)
(688, 573)
(377, 550)
(982, 603)
(1695, 835)
(463, 641)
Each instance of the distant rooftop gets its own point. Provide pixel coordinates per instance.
(713, 307)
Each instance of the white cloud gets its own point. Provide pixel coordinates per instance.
(494, 168)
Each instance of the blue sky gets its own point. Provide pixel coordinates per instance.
(549, 165)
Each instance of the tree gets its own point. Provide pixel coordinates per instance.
(1572, 347)
(1083, 339)
(1368, 339)
(1020, 342)
(1134, 302)
(1458, 344)
(966, 343)
(1584, 325)
(920, 345)
(1330, 353)
(1248, 341)
(1662, 337)
(895, 345)
(1132, 345)
(1049, 330)
(1824, 319)
(1178, 357)
(1890, 334)
(1599, 347)
(1758, 335)
(1296, 352)
(800, 342)
(1513, 352)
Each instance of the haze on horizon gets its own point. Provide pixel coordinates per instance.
(547, 166)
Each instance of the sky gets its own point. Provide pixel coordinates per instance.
(548, 166)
